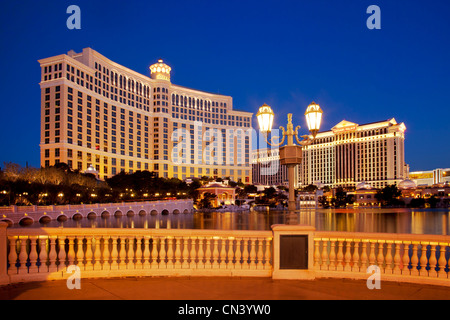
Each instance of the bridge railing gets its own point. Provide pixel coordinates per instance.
(7, 209)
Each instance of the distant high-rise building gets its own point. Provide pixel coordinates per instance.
(97, 112)
(342, 157)
(350, 153)
(267, 169)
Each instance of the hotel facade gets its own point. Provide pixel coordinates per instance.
(97, 112)
(351, 153)
(343, 157)
(267, 169)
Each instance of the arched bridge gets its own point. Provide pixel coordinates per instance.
(31, 214)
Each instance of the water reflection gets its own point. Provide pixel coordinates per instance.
(424, 221)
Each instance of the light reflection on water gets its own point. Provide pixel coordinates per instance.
(415, 221)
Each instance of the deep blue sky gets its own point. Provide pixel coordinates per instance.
(283, 53)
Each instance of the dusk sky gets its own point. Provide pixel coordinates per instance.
(283, 53)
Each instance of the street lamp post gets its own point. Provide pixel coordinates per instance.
(290, 154)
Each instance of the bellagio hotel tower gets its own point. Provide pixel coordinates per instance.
(95, 112)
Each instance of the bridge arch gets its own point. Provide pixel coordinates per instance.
(105, 214)
(118, 213)
(26, 221)
(44, 219)
(130, 213)
(62, 218)
(77, 216)
(92, 215)
(165, 212)
(142, 213)
(186, 211)
(154, 212)
(176, 211)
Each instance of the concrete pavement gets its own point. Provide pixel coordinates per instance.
(203, 288)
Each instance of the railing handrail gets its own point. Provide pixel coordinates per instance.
(136, 231)
(382, 236)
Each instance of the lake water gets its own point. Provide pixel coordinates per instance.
(413, 221)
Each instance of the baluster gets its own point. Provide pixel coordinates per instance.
(208, 254)
(423, 259)
(340, 255)
(79, 254)
(97, 253)
(355, 256)
(348, 255)
(215, 255)
(185, 254)
(364, 256)
(193, 254)
(88, 254)
(13, 256)
(238, 255)
(53, 254)
(44, 243)
(114, 254)
(414, 260)
(201, 253)
(33, 268)
(130, 253)
(122, 253)
(71, 256)
(260, 254)
(397, 258)
(325, 255)
(433, 261)
(388, 258)
(245, 254)
(107, 254)
(372, 257)
(230, 254)
(177, 252)
(154, 263)
(380, 256)
(23, 255)
(332, 254)
(170, 253)
(442, 261)
(405, 259)
(162, 253)
(138, 264)
(317, 242)
(223, 253)
(146, 263)
(64, 257)
(267, 254)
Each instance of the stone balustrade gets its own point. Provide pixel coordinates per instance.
(46, 253)
(399, 257)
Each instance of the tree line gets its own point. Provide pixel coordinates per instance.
(60, 184)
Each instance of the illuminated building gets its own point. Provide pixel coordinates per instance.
(267, 169)
(431, 177)
(97, 112)
(343, 157)
(350, 153)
